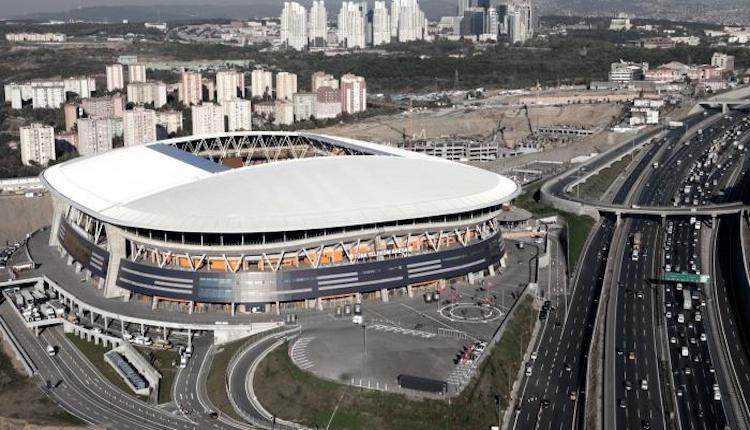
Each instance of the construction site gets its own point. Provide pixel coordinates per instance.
(487, 129)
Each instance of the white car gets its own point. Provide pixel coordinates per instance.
(644, 385)
(534, 355)
(142, 340)
(129, 337)
(703, 337)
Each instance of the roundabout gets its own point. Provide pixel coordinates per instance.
(471, 312)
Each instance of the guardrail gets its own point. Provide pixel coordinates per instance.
(20, 353)
(278, 424)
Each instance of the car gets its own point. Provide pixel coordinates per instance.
(639, 295)
(631, 355)
(688, 371)
(97, 330)
(572, 395)
(528, 370)
(628, 386)
(568, 368)
(620, 352)
(622, 403)
(693, 340)
(645, 424)
(534, 355)
(51, 350)
(696, 358)
(680, 391)
(545, 403)
(669, 314)
(129, 337)
(672, 339)
(717, 395)
(644, 385)
(703, 337)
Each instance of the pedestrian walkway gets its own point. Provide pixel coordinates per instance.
(299, 353)
(461, 374)
(400, 330)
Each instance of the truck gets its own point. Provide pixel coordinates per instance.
(636, 247)
(687, 300)
(675, 124)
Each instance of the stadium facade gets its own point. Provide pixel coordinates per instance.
(259, 218)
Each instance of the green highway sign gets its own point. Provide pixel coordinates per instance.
(685, 277)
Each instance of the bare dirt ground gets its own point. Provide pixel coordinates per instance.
(476, 122)
(20, 215)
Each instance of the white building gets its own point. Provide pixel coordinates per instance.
(328, 103)
(168, 123)
(239, 115)
(191, 88)
(94, 135)
(284, 113)
(47, 97)
(261, 82)
(411, 21)
(286, 85)
(14, 95)
(294, 26)
(317, 24)
(136, 73)
(323, 79)
(83, 86)
(37, 144)
(353, 94)
(230, 84)
(148, 92)
(395, 12)
(381, 24)
(36, 37)
(303, 106)
(723, 61)
(207, 119)
(115, 78)
(351, 25)
(139, 126)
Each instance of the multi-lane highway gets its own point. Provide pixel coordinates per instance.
(81, 389)
(692, 174)
(553, 395)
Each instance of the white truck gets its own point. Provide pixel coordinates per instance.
(687, 300)
(675, 124)
(636, 247)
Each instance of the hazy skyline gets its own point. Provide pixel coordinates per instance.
(14, 7)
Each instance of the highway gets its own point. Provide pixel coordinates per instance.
(558, 373)
(639, 309)
(238, 376)
(80, 388)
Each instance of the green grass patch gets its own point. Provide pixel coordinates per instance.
(95, 354)
(597, 185)
(216, 382)
(579, 226)
(296, 395)
(163, 362)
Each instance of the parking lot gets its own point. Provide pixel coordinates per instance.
(425, 336)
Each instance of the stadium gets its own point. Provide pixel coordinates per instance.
(268, 220)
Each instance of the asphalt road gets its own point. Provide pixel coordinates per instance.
(80, 388)
(564, 344)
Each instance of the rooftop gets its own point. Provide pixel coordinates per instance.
(160, 187)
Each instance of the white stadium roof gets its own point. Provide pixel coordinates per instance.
(159, 187)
